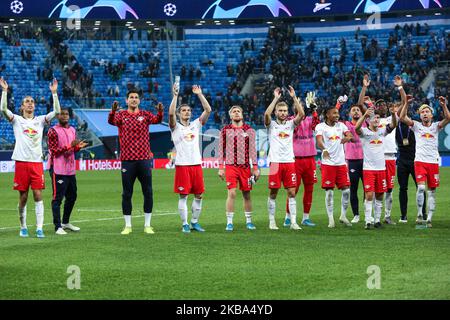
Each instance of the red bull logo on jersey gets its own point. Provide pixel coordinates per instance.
(428, 136)
(376, 141)
(189, 137)
(334, 138)
(283, 135)
(31, 133)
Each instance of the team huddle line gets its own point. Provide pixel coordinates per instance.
(377, 141)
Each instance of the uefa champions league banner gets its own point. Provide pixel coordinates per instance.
(203, 9)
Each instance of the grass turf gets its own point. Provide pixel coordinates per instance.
(315, 263)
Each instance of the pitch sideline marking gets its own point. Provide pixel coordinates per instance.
(101, 219)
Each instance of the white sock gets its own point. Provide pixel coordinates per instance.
(148, 218)
(183, 210)
(23, 217)
(329, 203)
(248, 217)
(196, 210)
(378, 207)
(420, 198)
(39, 207)
(388, 204)
(368, 205)
(345, 199)
(127, 221)
(305, 216)
(230, 217)
(271, 206)
(293, 210)
(431, 203)
(288, 216)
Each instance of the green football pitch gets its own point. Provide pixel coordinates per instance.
(314, 263)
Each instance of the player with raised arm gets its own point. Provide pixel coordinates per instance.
(305, 160)
(331, 136)
(406, 143)
(29, 170)
(135, 155)
(426, 162)
(373, 138)
(281, 154)
(353, 155)
(238, 163)
(188, 162)
(389, 145)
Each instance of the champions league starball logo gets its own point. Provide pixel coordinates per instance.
(219, 12)
(73, 11)
(170, 9)
(16, 7)
(385, 6)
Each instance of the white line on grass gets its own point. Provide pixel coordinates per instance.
(160, 213)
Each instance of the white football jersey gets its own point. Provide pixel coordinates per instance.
(427, 140)
(332, 137)
(390, 146)
(28, 134)
(373, 148)
(187, 143)
(280, 141)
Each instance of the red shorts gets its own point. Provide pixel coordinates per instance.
(282, 172)
(189, 180)
(234, 174)
(335, 176)
(390, 173)
(29, 174)
(427, 172)
(305, 168)
(374, 181)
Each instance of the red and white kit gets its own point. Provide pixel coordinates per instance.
(334, 169)
(390, 152)
(374, 166)
(188, 160)
(426, 163)
(27, 153)
(281, 155)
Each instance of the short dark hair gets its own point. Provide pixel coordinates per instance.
(183, 105)
(133, 91)
(357, 106)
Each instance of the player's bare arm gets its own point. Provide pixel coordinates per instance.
(271, 107)
(321, 146)
(159, 115)
(56, 106)
(369, 112)
(362, 95)
(446, 120)
(112, 115)
(173, 107)
(4, 102)
(300, 112)
(404, 115)
(197, 90)
(394, 122)
(347, 137)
